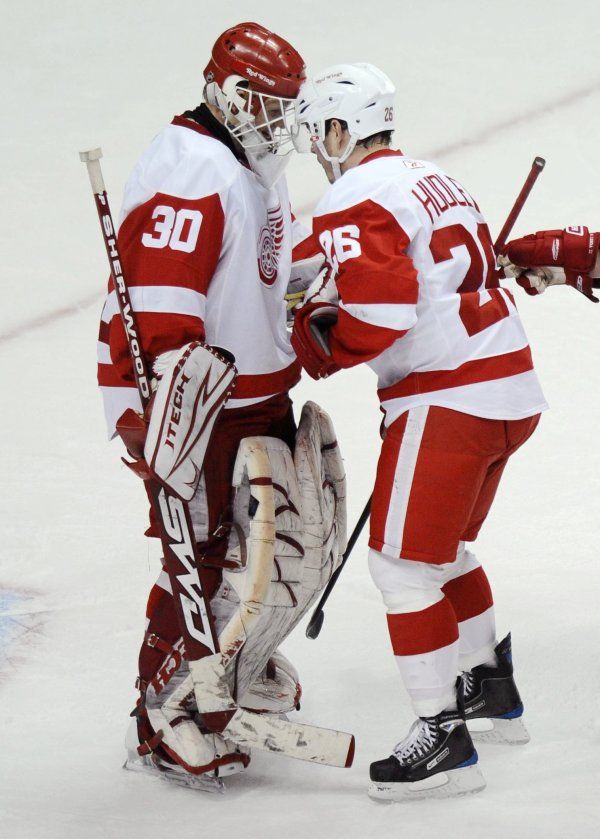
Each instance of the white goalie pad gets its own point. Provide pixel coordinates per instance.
(190, 396)
(276, 690)
(289, 537)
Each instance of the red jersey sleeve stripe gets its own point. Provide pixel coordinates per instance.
(353, 341)
(160, 331)
(306, 249)
(109, 376)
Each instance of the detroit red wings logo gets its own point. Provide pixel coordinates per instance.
(269, 246)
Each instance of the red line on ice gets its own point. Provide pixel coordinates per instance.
(50, 317)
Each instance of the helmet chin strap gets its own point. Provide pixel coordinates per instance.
(336, 162)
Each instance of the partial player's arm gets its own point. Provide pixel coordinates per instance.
(366, 250)
(170, 247)
(555, 257)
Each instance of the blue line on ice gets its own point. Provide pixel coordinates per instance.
(10, 628)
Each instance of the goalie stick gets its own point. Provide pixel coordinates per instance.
(315, 623)
(297, 740)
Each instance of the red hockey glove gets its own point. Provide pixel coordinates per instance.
(555, 257)
(309, 338)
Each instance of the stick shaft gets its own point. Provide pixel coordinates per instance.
(536, 169)
(314, 625)
(140, 368)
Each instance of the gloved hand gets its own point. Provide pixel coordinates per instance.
(309, 338)
(554, 257)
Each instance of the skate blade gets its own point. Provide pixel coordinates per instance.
(207, 782)
(451, 784)
(511, 732)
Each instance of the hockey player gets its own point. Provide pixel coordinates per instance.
(555, 257)
(414, 293)
(206, 241)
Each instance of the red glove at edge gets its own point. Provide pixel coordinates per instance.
(575, 249)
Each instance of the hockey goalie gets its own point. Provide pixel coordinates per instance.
(284, 535)
(250, 510)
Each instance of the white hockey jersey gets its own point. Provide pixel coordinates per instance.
(206, 252)
(420, 298)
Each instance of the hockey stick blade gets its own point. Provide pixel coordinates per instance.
(296, 740)
(318, 616)
(315, 624)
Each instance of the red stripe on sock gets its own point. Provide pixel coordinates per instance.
(470, 594)
(430, 629)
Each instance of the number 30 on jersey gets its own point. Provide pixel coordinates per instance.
(177, 230)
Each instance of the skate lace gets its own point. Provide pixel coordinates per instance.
(421, 737)
(468, 682)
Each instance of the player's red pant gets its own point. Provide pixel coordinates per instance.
(272, 417)
(437, 477)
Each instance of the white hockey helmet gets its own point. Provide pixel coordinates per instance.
(360, 95)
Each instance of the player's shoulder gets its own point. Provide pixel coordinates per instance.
(185, 160)
(387, 177)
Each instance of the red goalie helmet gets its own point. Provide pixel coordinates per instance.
(268, 62)
(253, 78)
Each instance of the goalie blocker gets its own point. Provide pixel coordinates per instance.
(287, 537)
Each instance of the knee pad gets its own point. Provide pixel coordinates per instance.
(465, 562)
(405, 585)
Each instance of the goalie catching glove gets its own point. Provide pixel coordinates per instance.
(554, 257)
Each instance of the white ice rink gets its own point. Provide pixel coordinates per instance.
(484, 87)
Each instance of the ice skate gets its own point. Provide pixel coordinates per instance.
(490, 701)
(174, 774)
(160, 766)
(436, 759)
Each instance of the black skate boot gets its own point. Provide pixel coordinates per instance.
(436, 759)
(490, 701)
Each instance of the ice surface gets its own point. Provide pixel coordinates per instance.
(485, 85)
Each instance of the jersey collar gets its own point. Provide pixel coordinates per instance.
(202, 121)
(381, 153)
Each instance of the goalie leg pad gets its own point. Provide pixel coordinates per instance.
(271, 585)
(277, 689)
(289, 539)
